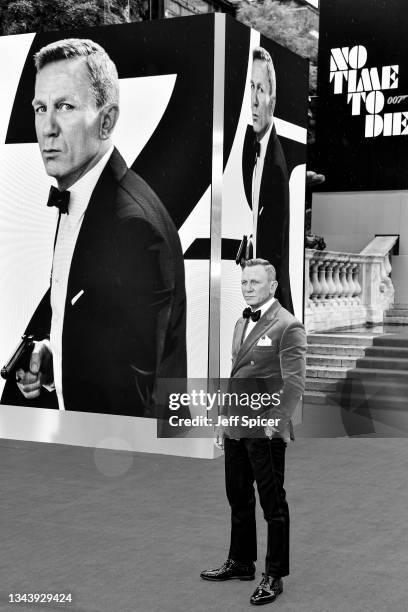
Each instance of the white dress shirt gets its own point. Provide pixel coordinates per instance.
(251, 324)
(256, 184)
(68, 231)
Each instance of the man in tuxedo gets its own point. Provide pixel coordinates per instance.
(265, 176)
(268, 355)
(113, 320)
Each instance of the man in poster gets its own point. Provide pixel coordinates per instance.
(265, 176)
(268, 354)
(113, 319)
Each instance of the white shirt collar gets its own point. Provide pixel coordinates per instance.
(264, 141)
(81, 191)
(266, 306)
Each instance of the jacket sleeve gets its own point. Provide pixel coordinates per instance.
(40, 322)
(292, 355)
(145, 290)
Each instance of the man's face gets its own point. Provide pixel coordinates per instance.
(67, 121)
(256, 288)
(261, 99)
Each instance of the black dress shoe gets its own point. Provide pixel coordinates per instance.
(231, 569)
(267, 591)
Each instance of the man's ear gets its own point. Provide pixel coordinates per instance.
(274, 284)
(109, 117)
(272, 105)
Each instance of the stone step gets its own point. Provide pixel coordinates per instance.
(316, 397)
(382, 402)
(383, 375)
(330, 360)
(368, 387)
(326, 372)
(376, 386)
(396, 312)
(386, 351)
(401, 305)
(336, 349)
(393, 320)
(321, 384)
(388, 363)
(341, 339)
(392, 340)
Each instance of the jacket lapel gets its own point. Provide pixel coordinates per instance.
(264, 323)
(239, 332)
(94, 226)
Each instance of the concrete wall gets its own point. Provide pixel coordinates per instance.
(349, 220)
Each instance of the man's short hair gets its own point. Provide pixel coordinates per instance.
(103, 76)
(270, 270)
(261, 54)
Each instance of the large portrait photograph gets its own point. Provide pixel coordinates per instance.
(105, 188)
(265, 119)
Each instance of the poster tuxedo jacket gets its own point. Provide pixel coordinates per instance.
(128, 327)
(273, 211)
(271, 359)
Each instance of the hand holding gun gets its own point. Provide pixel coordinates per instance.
(20, 358)
(31, 365)
(242, 251)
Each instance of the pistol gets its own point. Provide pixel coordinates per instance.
(242, 251)
(20, 357)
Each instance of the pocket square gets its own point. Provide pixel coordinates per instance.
(264, 341)
(76, 297)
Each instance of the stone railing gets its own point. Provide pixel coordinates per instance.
(348, 289)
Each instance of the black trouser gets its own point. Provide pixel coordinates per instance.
(261, 460)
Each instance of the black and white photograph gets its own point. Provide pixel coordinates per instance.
(204, 313)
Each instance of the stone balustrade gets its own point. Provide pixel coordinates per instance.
(348, 289)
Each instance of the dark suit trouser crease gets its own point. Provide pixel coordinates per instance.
(262, 461)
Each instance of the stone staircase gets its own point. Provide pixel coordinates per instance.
(397, 315)
(355, 369)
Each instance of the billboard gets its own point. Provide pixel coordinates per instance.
(181, 128)
(280, 218)
(362, 116)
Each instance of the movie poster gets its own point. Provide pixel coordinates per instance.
(280, 219)
(362, 119)
(164, 133)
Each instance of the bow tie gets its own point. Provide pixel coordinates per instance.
(60, 199)
(255, 316)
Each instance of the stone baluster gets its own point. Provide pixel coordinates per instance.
(314, 264)
(308, 282)
(388, 267)
(324, 289)
(357, 286)
(385, 274)
(331, 286)
(383, 277)
(337, 282)
(343, 280)
(350, 284)
(386, 285)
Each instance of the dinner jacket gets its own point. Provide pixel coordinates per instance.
(271, 359)
(272, 240)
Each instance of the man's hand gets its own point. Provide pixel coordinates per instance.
(219, 437)
(269, 431)
(40, 372)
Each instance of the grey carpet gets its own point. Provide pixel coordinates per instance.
(131, 532)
